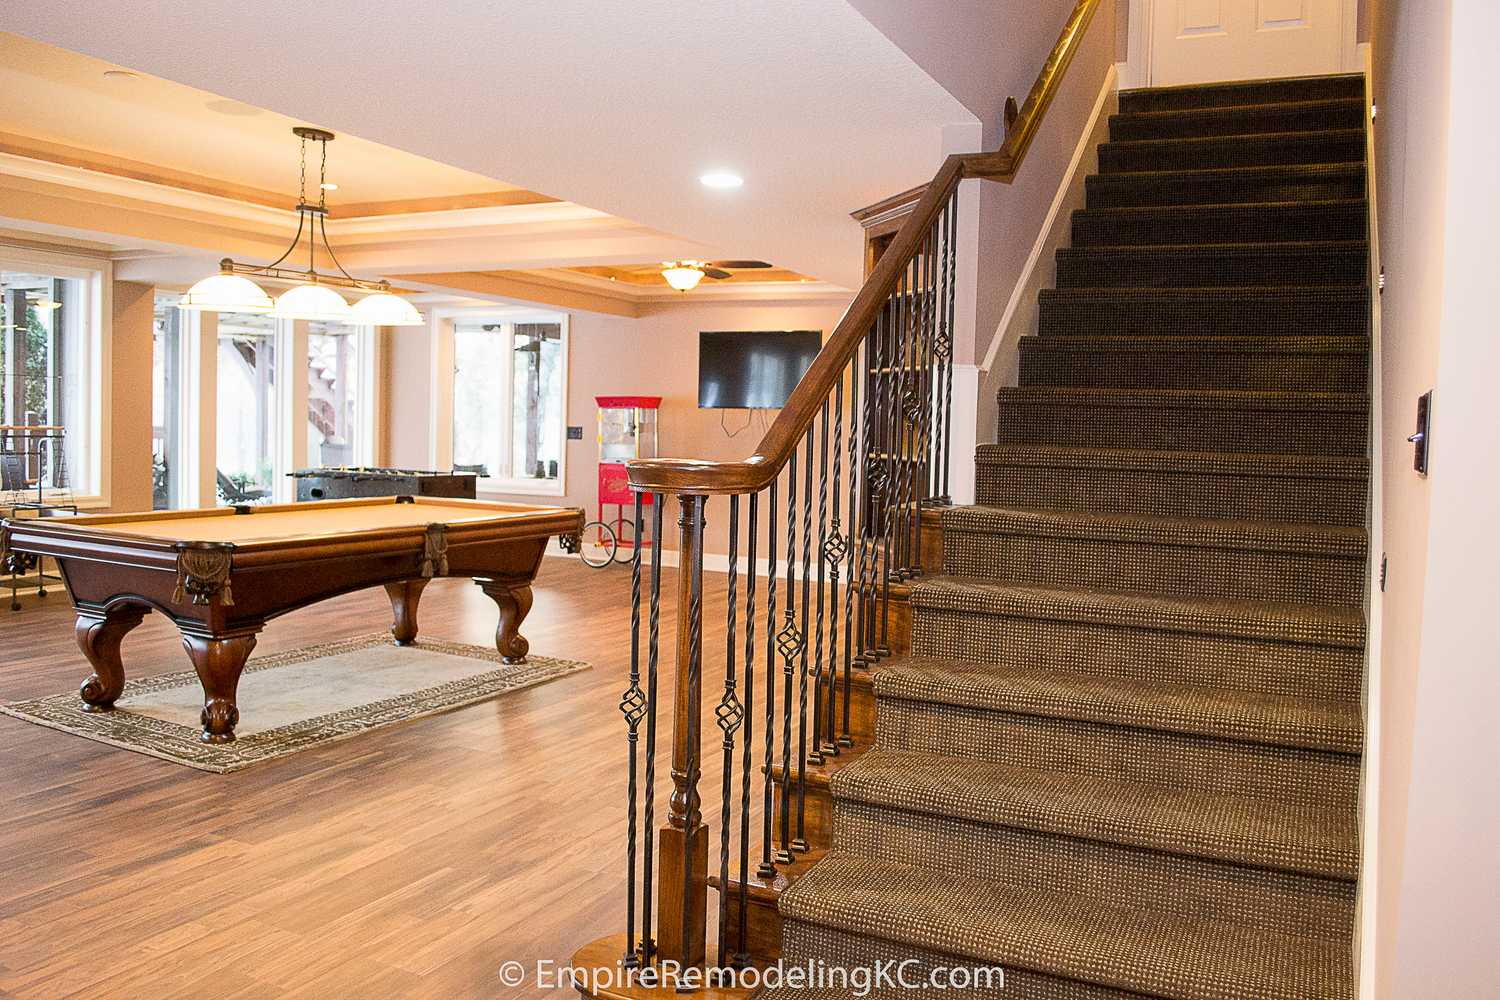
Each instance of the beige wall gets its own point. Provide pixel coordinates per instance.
(1448, 933)
(655, 355)
(130, 396)
(1411, 137)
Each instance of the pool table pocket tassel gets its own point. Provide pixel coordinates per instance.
(203, 573)
(435, 551)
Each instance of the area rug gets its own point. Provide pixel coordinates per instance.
(297, 700)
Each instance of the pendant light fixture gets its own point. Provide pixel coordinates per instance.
(314, 296)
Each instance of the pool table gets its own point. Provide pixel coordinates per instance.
(221, 574)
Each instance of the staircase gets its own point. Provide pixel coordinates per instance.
(1122, 756)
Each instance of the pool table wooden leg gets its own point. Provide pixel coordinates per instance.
(219, 662)
(404, 597)
(99, 634)
(514, 600)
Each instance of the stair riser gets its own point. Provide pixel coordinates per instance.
(1053, 364)
(1153, 567)
(1203, 660)
(1259, 224)
(1282, 118)
(1124, 191)
(1207, 268)
(1168, 760)
(1304, 905)
(1241, 316)
(1250, 92)
(1239, 151)
(1174, 494)
(1183, 428)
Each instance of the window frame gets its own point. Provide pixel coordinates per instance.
(441, 324)
(97, 278)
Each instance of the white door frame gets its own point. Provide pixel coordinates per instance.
(1137, 72)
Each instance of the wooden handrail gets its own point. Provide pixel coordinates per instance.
(702, 477)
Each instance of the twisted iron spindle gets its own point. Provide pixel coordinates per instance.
(767, 870)
(833, 554)
(948, 392)
(815, 755)
(633, 706)
(799, 842)
(851, 595)
(653, 647)
(788, 642)
(730, 715)
(742, 949)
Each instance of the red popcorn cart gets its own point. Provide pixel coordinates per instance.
(627, 430)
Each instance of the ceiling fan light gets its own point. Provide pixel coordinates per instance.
(314, 302)
(682, 277)
(226, 293)
(385, 309)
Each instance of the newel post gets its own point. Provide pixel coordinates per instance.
(683, 900)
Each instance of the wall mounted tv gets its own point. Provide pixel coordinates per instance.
(752, 369)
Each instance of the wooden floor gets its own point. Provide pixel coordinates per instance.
(409, 862)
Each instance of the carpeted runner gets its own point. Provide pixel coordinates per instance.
(1122, 759)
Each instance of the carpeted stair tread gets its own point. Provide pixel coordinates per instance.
(1254, 831)
(1206, 399)
(1327, 625)
(1243, 311)
(1333, 219)
(1066, 935)
(1234, 93)
(1247, 149)
(1147, 460)
(1262, 536)
(1188, 265)
(1227, 185)
(1275, 720)
(1240, 119)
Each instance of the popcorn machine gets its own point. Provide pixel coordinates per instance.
(627, 430)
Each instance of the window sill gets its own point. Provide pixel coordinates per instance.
(489, 489)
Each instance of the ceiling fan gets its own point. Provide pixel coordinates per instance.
(684, 275)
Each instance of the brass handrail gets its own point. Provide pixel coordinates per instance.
(703, 477)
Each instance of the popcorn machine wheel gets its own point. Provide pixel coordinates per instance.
(627, 430)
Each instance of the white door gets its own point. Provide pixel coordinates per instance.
(1203, 41)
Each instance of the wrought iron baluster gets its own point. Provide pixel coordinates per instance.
(948, 392)
(815, 754)
(653, 647)
(767, 868)
(852, 535)
(730, 715)
(742, 949)
(634, 707)
(788, 642)
(799, 842)
(834, 550)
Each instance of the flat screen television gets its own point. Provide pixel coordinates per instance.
(752, 369)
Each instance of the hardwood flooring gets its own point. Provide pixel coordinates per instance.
(409, 862)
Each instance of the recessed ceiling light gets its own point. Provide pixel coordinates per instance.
(329, 186)
(121, 75)
(721, 180)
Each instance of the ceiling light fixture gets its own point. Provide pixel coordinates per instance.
(682, 275)
(313, 297)
(721, 180)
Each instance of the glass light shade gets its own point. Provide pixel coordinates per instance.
(226, 293)
(385, 309)
(313, 302)
(684, 279)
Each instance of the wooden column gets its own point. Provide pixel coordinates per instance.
(683, 897)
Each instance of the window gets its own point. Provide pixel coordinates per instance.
(249, 406)
(338, 405)
(508, 403)
(49, 332)
(168, 457)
